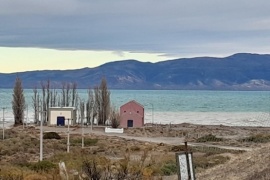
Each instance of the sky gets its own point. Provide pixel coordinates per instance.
(72, 34)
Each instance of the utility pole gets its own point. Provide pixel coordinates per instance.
(41, 137)
(82, 132)
(91, 118)
(152, 114)
(68, 138)
(41, 141)
(82, 107)
(4, 122)
(25, 119)
(26, 115)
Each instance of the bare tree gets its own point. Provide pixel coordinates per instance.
(90, 107)
(43, 108)
(97, 105)
(74, 94)
(105, 100)
(54, 96)
(35, 104)
(102, 101)
(59, 101)
(18, 103)
(63, 94)
(82, 108)
(48, 99)
(114, 117)
(68, 94)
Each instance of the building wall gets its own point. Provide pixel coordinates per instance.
(68, 113)
(132, 111)
(137, 120)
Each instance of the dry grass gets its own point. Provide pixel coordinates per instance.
(119, 156)
(247, 166)
(116, 152)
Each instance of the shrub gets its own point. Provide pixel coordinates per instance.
(42, 166)
(205, 162)
(147, 172)
(35, 177)
(135, 148)
(262, 174)
(214, 150)
(51, 135)
(87, 141)
(90, 142)
(11, 175)
(209, 138)
(115, 118)
(179, 148)
(91, 170)
(169, 168)
(258, 138)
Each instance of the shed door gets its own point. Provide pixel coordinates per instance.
(60, 121)
(130, 123)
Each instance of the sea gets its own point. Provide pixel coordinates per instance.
(231, 108)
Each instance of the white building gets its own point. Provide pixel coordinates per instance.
(60, 116)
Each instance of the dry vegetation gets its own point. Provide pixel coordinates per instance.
(248, 166)
(111, 157)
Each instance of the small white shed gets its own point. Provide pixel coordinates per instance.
(60, 116)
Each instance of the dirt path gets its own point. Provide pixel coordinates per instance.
(164, 140)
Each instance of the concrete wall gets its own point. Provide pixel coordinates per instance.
(112, 130)
(67, 112)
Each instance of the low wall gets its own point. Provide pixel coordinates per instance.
(114, 130)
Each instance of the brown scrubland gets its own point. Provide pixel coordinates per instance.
(115, 157)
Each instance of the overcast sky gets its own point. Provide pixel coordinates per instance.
(60, 34)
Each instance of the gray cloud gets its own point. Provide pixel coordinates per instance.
(173, 27)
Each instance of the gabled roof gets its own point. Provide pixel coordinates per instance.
(133, 101)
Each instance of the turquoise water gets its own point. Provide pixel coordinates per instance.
(176, 104)
(198, 101)
(177, 100)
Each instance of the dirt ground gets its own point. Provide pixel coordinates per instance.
(177, 134)
(160, 141)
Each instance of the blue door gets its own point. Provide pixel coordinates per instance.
(60, 121)
(130, 123)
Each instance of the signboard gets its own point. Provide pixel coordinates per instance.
(185, 166)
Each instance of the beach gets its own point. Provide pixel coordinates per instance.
(212, 118)
(203, 118)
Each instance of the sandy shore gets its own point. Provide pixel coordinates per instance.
(200, 118)
(211, 118)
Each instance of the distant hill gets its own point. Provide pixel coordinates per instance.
(241, 71)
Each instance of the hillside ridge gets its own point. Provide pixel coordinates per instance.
(241, 71)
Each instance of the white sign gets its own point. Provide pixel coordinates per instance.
(185, 165)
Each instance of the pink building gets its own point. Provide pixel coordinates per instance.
(132, 115)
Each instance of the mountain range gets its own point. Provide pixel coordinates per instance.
(242, 71)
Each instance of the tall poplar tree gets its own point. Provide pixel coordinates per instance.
(102, 101)
(18, 102)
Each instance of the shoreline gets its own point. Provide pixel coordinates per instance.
(255, 119)
(211, 118)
